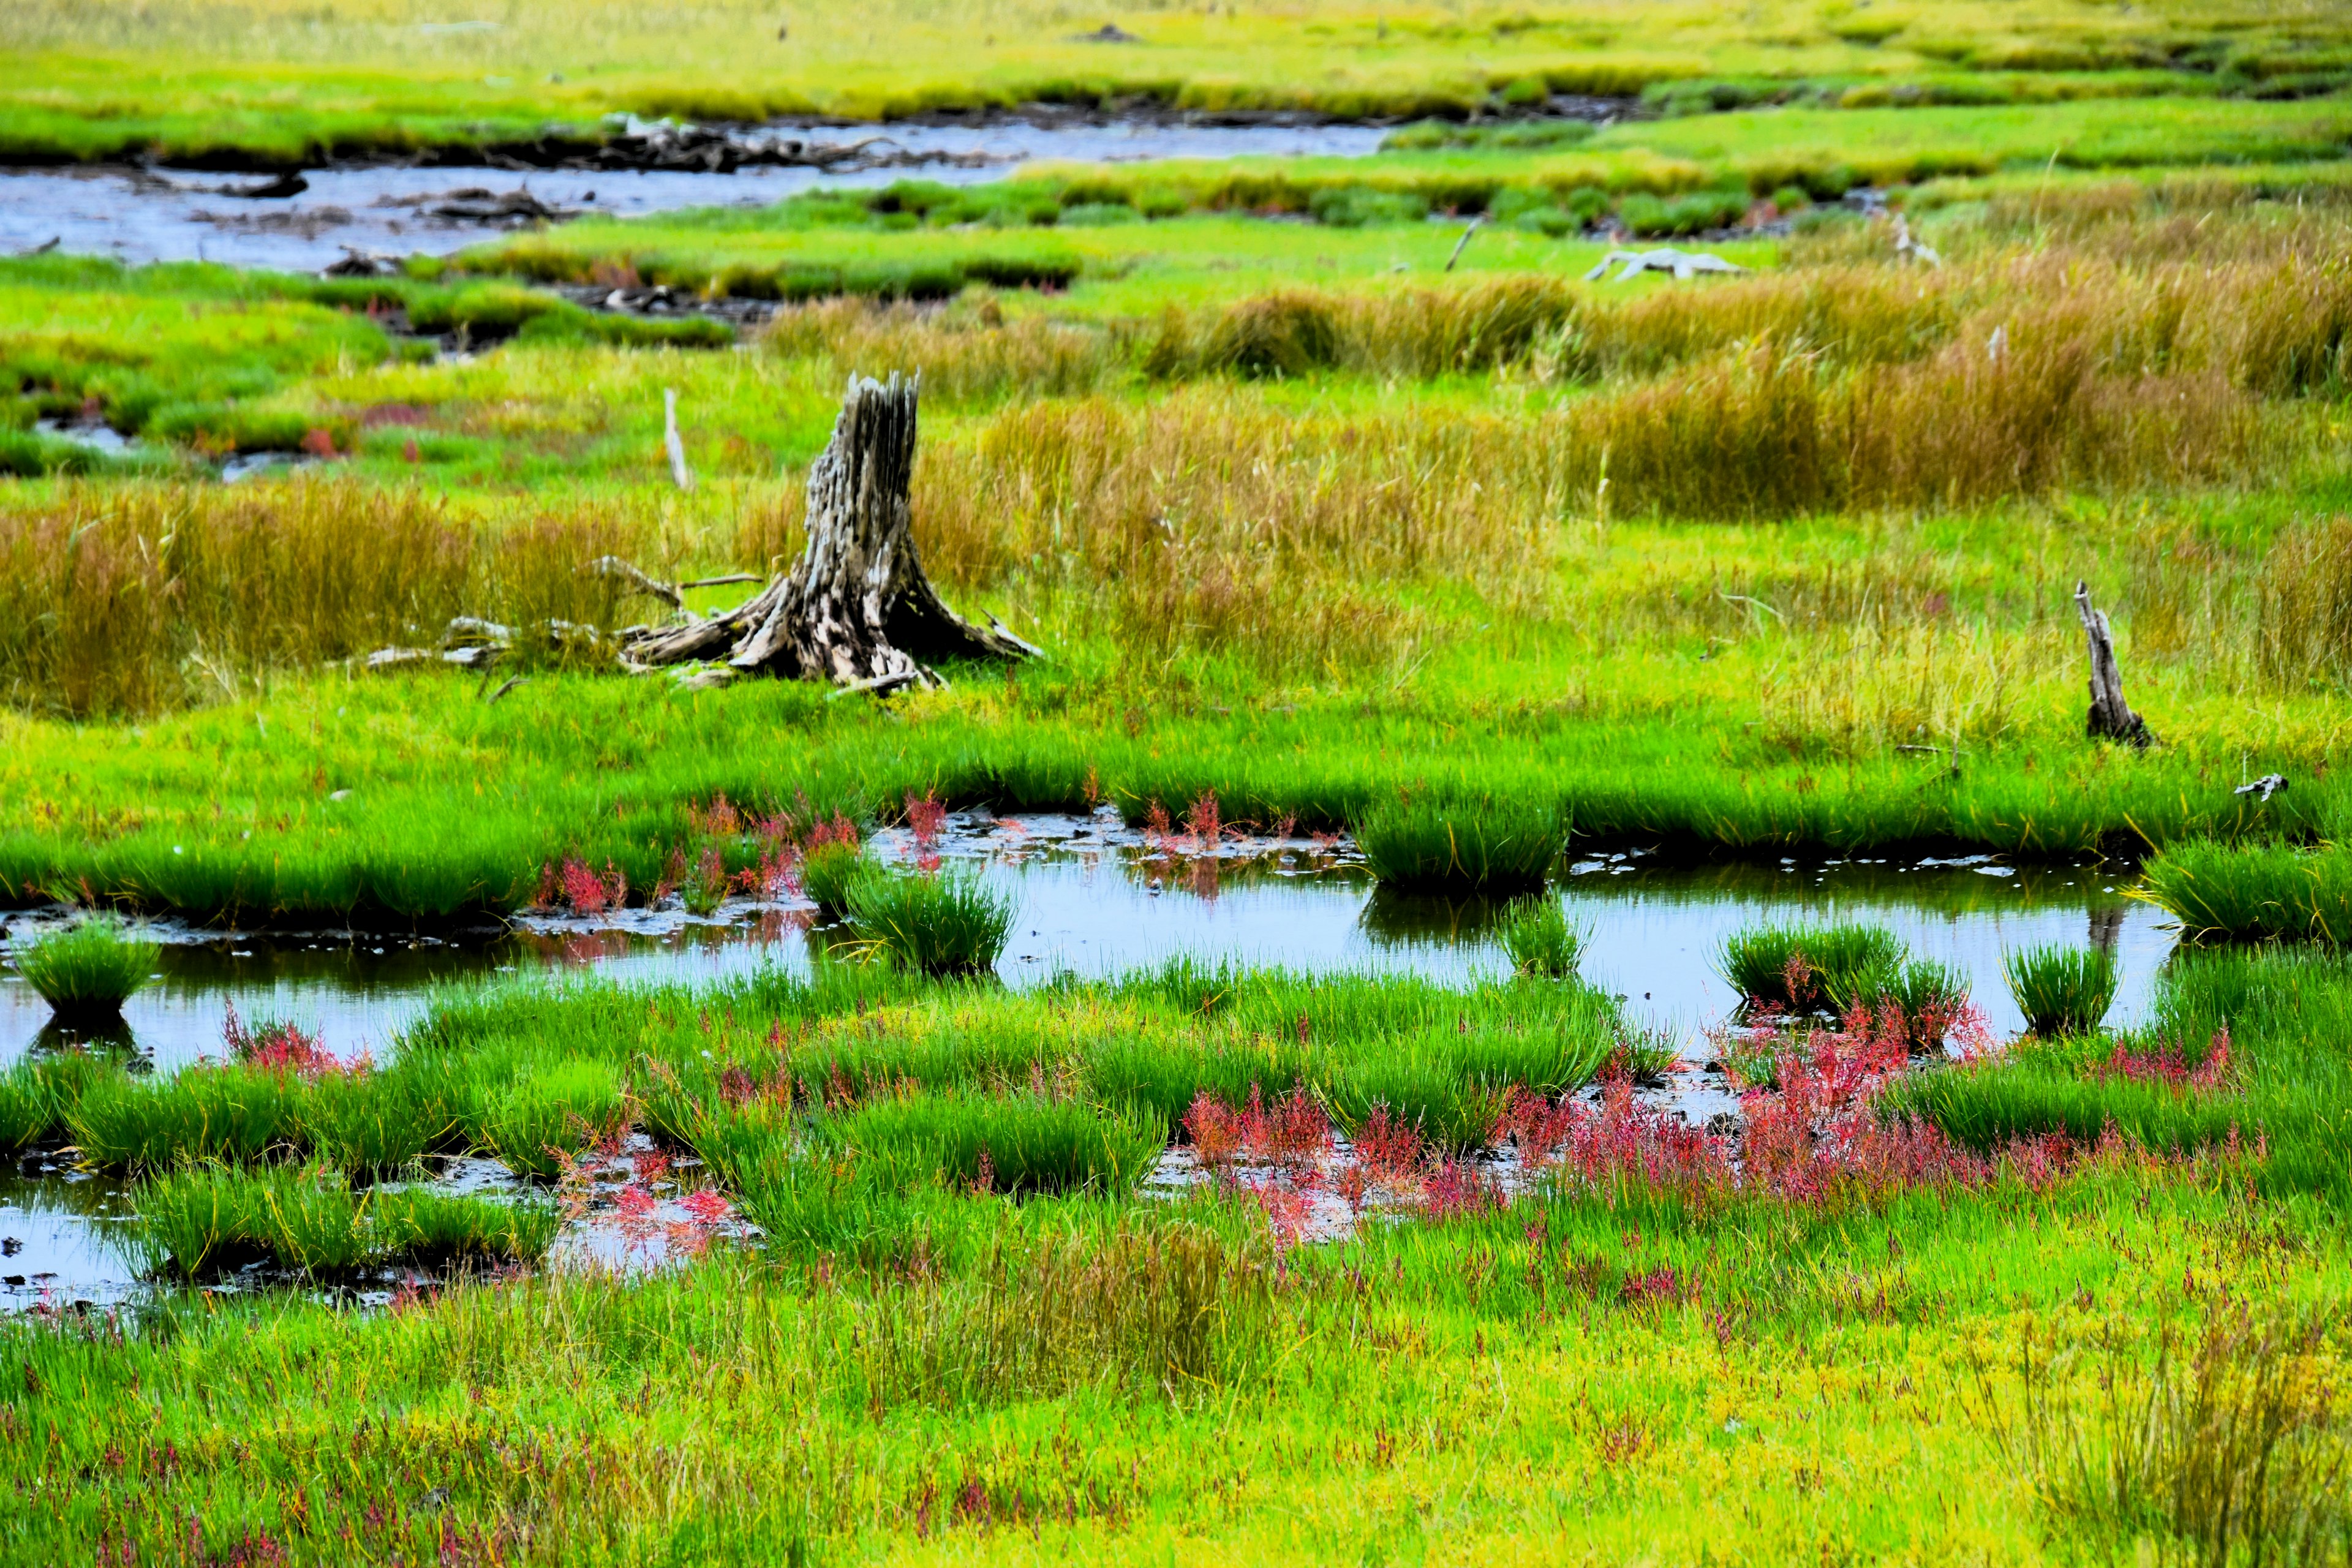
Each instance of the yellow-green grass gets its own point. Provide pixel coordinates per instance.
(279, 80)
(1089, 1376)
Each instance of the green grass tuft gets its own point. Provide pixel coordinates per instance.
(89, 968)
(202, 1220)
(2062, 991)
(939, 923)
(1016, 1143)
(827, 872)
(1540, 941)
(1807, 968)
(1488, 847)
(2255, 891)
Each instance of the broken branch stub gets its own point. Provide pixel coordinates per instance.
(2111, 717)
(858, 609)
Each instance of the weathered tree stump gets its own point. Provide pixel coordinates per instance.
(858, 609)
(2111, 717)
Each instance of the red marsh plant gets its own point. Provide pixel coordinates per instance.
(1290, 1134)
(572, 883)
(2169, 1065)
(282, 1048)
(926, 815)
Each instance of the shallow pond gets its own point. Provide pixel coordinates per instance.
(1095, 898)
(173, 216)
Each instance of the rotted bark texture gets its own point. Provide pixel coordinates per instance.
(857, 610)
(2111, 717)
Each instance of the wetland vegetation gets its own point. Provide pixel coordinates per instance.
(1334, 518)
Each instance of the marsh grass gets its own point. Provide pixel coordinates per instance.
(227, 1113)
(1928, 996)
(205, 1220)
(88, 969)
(271, 577)
(1540, 942)
(1013, 1143)
(828, 872)
(1810, 968)
(2062, 991)
(1488, 845)
(2255, 891)
(938, 923)
(2229, 1445)
(549, 1110)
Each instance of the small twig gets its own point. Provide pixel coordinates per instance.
(722, 582)
(1476, 225)
(512, 682)
(614, 566)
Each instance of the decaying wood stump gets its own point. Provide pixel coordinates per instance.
(857, 610)
(2111, 717)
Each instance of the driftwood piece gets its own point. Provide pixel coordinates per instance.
(856, 610)
(679, 472)
(2111, 717)
(1665, 259)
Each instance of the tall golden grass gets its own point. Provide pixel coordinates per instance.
(1204, 517)
(129, 599)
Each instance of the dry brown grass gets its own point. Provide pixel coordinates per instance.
(2303, 606)
(1210, 522)
(129, 599)
(962, 354)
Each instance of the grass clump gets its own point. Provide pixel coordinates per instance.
(228, 1113)
(89, 969)
(938, 923)
(1016, 1143)
(1800, 969)
(1929, 996)
(2255, 891)
(1540, 941)
(1490, 847)
(829, 870)
(536, 1121)
(2062, 991)
(202, 1220)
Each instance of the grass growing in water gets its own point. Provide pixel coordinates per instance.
(1800, 969)
(1540, 941)
(2062, 991)
(942, 922)
(1488, 845)
(829, 870)
(2255, 891)
(1021, 1143)
(89, 968)
(204, 1219)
